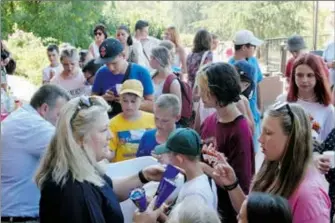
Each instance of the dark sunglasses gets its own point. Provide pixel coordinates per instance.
(84, 102)
(98, 34)
(280, 105)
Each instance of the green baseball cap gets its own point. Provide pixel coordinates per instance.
(184, 141)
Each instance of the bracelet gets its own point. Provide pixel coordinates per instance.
(142, 177)
(232, 186)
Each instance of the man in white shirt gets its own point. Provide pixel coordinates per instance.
(55, 67)
(148, 42)
(25, 134)
(183, 149)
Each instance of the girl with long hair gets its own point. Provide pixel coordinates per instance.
(287, 170)
(179, 59)
(310, 89)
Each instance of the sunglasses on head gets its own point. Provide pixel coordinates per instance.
(280, 105)
(84, 102)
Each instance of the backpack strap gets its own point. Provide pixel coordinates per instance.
(127, 74)
(168, 82)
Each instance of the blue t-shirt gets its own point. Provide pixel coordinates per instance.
(147, 144)
(258, 78)
(105, 79)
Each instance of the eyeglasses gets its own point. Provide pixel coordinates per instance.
(98, 34)
(84, 102)
(280, 105)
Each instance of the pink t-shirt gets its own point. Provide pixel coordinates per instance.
(75, 85)
(310, 203)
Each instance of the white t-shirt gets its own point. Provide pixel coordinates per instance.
(46, 71)
(75, 85)
(199, 186)
(324, 115)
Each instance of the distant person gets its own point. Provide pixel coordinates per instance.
(128, 127)
(4, 82)
(25, 136)
(117, 70)
(89, 70)
(201, 54)
(214, 48)
(100, 34)
(245, 44)
(132, 48)
(160, 60)
(55, 67)
(329, 58)
(84, 57)
(296, 46)
(148, 42)
(179, 59)
(71, 78)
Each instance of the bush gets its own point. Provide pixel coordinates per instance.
(30, 55)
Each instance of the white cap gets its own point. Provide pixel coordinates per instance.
(245, 36)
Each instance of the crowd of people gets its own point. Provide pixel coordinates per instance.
(134, 96)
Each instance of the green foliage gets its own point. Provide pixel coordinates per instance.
(29, 53)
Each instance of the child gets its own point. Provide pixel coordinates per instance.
(167, 111)
(183, 149)
(71, 78)
(128, 127)
(55, 67)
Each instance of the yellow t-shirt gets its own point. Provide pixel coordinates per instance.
(126, 135)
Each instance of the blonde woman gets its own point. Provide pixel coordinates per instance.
(287, 170)
(179, 59)
(74, 187)
(71, 78)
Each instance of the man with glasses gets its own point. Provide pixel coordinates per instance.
(89, 70)
(117, 70)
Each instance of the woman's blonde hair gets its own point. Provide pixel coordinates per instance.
(193, 210)
(69, 52)
(68, 155)
(175, 38)
(162, 55)
(282, 177)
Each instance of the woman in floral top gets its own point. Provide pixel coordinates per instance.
(201, 54)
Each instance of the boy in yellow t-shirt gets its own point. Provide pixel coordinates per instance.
(128, 127)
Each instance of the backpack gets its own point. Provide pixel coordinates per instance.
(186, 95)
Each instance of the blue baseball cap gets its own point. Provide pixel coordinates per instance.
(246, 71)
(109, 49)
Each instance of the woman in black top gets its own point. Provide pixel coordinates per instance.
(74, 187)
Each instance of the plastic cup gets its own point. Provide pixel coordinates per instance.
(331, 156)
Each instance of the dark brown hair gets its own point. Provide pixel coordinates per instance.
(202, 41)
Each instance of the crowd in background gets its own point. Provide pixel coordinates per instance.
(128, 96)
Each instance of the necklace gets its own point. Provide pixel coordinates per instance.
(310, 99)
